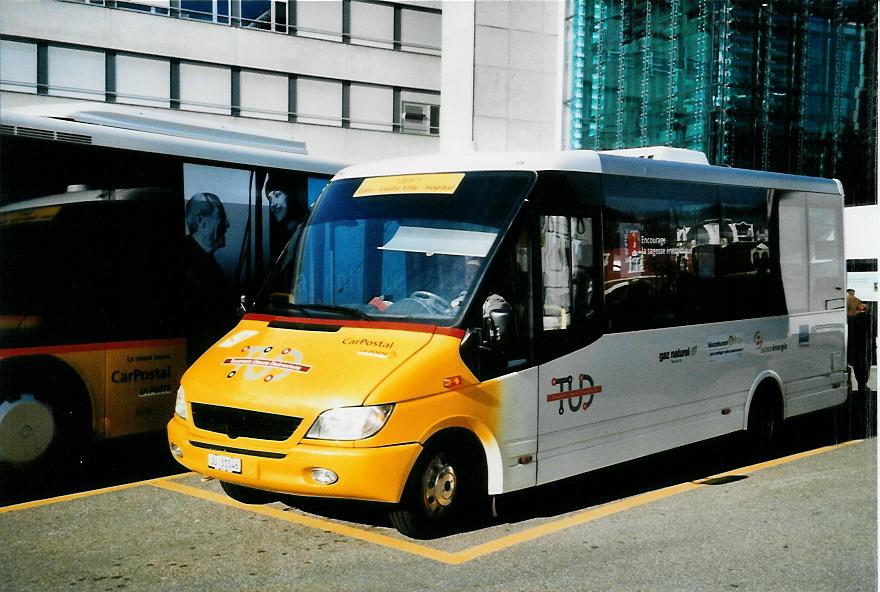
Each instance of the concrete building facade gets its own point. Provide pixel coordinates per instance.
(355, 80)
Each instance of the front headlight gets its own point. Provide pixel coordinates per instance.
(180, 404)
(350, 423)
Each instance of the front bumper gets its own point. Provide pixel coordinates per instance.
(373, 474)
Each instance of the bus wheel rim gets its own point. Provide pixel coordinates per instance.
(27, 428)
(440, 485)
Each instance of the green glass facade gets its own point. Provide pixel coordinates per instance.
(780, 85)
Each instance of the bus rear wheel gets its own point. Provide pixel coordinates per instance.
(765, 423)
(42, 423)
(443, 491)
(27, 429)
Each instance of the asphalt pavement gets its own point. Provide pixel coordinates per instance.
(704, 517)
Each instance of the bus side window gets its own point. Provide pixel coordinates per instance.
(568, 281)
(555, 272)
(567, 271)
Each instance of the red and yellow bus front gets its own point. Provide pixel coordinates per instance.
(325, 409)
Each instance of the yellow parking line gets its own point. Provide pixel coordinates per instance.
(82, 494)
(605, 510)
(477, 551)
(349, 531)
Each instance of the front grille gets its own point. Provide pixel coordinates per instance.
(242, 451)
(242, 423)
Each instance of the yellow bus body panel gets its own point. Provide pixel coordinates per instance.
(302, 373)
(131, 385)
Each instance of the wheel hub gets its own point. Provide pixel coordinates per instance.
(440, 486)
(27, 428)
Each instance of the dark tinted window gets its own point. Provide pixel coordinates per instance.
(685, 253)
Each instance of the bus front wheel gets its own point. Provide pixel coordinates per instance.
(443, 489)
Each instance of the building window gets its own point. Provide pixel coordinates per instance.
(371, 107)
(372, 25)
(263, 96)
(265, 15)
(18, 68)
(207, 89)
(420, 31)
(319, 101)
(142, 81)
(380, 24)
(419, 112)
(76, 73)
(152, 81)
(212, 11)
(319, 20)
(153, 6)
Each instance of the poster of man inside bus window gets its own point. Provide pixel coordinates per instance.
(229, 243)
(218, 218)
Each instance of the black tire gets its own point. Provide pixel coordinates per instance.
(247, 495)
(443, 492)
(44, 405)
(765, 424)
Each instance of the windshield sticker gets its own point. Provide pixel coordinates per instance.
(24, 216)
(266, 363)
(438, 183)
(574, 396)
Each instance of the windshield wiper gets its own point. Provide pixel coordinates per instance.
(345, 311)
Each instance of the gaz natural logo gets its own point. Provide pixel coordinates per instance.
(676, 355)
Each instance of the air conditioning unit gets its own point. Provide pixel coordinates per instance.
(415, 117)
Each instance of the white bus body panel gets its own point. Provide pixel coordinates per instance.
(670, 387)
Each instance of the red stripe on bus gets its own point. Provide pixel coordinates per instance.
(87, 347)
(592, 390)
(451, 332)
(419, 328)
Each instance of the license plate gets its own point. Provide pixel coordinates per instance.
(227, 464)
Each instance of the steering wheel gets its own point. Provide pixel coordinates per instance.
(432, 302)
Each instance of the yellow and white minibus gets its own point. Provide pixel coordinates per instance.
(447, 327)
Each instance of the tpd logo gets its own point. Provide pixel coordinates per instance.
(574, 396)
(266, 363)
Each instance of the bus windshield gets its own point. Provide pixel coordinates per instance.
(405, 248)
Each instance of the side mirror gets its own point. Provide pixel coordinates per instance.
(499, 324)
(502, 329)
(242, 305)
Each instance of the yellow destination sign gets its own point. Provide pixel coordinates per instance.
(441, 183)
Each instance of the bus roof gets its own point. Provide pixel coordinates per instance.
(653, 162)
(138, 128)
(80, 196)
